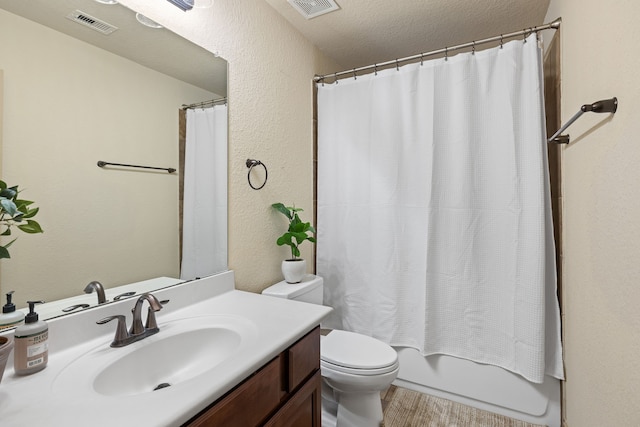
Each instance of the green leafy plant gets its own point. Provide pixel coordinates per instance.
(15, 212)
(297, 232)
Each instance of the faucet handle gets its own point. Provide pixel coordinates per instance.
(121, 330)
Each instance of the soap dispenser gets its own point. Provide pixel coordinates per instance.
(31, 351)
(10, 317)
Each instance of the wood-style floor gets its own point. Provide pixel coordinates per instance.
(407, 408)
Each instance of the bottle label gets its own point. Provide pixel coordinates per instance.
(31, 351)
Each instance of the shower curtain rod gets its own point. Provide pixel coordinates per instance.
(552, 25)
(204, 104)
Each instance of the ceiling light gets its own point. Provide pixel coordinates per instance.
(146, 21)
(182, 4)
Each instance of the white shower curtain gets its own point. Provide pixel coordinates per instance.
(434, 221)
(204, 241)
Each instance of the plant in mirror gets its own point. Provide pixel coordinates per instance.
(17, 213)
(72, 96)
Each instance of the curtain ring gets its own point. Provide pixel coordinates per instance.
(446, 53)
(250, 164)
(335, 77)
(355, 77)
(422, 59)
(397, 65)
(375, 69)
(501, 41)
(473, 48)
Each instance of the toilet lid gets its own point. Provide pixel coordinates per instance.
(357, 351)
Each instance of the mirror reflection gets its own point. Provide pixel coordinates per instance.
(71, 96)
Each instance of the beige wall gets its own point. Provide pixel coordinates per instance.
(270, 119)
(68, 105)
(601, 226)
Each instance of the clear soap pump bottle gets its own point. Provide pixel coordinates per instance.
(31, 351)
(10, 317)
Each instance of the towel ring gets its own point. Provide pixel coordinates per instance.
(250, 164)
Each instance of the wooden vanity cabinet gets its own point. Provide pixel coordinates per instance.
(283, 393)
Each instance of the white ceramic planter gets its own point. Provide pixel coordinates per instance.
(293, 270)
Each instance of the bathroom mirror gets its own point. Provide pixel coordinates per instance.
(73, 96)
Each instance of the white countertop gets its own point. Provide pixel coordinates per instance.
(36, 400)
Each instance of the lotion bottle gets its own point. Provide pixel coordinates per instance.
(31, 351)
(10, 317)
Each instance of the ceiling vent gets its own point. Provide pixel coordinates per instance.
(312, 8)
(91, 22)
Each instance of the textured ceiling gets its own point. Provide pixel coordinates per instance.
(364, 32)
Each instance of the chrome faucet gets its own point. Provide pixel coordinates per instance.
(96, 286)
(137, 331)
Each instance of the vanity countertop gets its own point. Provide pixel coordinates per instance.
(40, 400)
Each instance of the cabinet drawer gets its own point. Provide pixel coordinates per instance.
(303, 358)
(250, 403)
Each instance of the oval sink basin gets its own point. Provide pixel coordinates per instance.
(183, 350)
(167, 361)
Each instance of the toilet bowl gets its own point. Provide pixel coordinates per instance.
(355, 368)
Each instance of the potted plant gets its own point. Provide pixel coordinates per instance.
(14, 211)
(294, 268)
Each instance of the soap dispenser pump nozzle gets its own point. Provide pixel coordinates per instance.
(32, 316)
(9, 307)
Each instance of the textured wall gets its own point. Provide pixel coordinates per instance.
(271, 67)
(601, 212)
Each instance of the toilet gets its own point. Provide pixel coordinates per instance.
(355, 368)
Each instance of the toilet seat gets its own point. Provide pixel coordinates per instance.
(324, 366)
(352, 353)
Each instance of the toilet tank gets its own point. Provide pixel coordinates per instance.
(308, 290)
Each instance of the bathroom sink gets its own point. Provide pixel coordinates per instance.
(167, 361)
(183, 350)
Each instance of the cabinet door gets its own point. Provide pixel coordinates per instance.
(250, 403)
(303, 359)
(303, 409)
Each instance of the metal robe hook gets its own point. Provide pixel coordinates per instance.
(250, 164)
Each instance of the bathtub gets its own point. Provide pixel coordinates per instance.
(482, 386)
